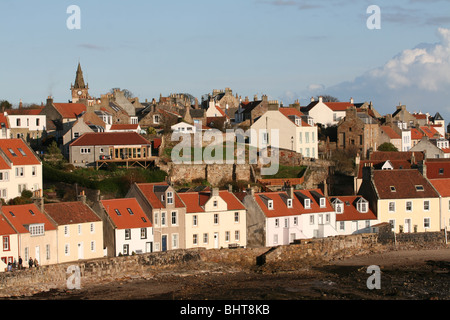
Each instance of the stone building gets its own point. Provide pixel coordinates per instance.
(358, 130)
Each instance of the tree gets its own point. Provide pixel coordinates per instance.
(387, 146)
(5, 105)
(127, 93)
(327, 98)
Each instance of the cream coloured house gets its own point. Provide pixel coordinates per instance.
(37, 234)
(214, 219)
(9, 251)
(285, 128)
(80, 231)
(20, 169)
(402, 197)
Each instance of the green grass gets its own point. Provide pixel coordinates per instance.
(288, 172)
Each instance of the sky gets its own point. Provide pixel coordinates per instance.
(287, 49)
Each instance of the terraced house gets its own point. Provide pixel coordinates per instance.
(280, 218)
(214, 219)
(404, 198)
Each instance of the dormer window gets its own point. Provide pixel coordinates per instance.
(289, 203)
(215, 203)
(339, 208)
(362, 206)
(307, 203)
(169, 197)
(322, 202)
(270, 204)
(419, 188)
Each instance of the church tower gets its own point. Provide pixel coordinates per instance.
(79, 89)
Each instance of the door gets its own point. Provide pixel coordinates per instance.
(148, 247)
(37, 254)
(80, 251)
(164, 242)
(216, 240)
(407, 225)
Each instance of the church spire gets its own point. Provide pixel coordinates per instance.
(79, 80)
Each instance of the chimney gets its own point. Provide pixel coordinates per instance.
(215, 192)
(82, 197)
(38, 200)
(49, 100)
(312, 99)
(20, 104)
(320, 99)
(290, 192)
(351, 100)
(230, 188)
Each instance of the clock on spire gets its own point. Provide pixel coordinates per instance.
(79, 89)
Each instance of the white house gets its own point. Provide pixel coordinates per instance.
(25, 122)
(326, 113)
(20, 169)
(184, 127)
(285, 128)
(5, 130)
(353, 214)
(286, 216)
(127, 229)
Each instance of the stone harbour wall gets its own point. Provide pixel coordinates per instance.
(31, 281)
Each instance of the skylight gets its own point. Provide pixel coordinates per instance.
(12, 152)
(419, 188)
(118, 212)
(130, 211)
(393, 189)
(22, 152)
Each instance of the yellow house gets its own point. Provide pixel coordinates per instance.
(214, 219)
(443, 187)
(80, 231)
(403, 197)
(36, 233)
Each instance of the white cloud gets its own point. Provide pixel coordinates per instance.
(419, 77)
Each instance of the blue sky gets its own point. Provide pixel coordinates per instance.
(287, 49)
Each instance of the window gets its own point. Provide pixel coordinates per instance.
(227, 236)
(66, 249)
(156, 218)
(342, 225)
(38, 122)
(174, 218)
(130, 211)
(391, 206)
(322, 202)
(362, 206)
(289, 203)
(408, 206)
(194, 239)
(236, 217)
(85, 150)
(126, 249)
(215, 204)
(22, 152)
(76, 135)
(277, 223)
(6, 243)
(426, 205)
(270, 204)
(36, 230)
(306, 137)
(117, 212)
(205, 238)
(311, 219)
(92, 246)
(295, 221)
(216, 218)
(307, 204)
(156, 119)
(127, 234)
(392, 223)
(194, 221)
(143, 233)
(441, 171)
(47, 251)
(236, 235)
(169, 197)
(265, 138)
(79, 229)
(393, 189)
(34, 171)
(66, 231)
(286, 223)
(19, 172)
(419, 188)
(4, 176)
(163, 218)
(275, 238)
(92, 228)
(426, 223)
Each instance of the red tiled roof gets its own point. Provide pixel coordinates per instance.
(19, 159)
(280, 208)
(195, 201)
(416, 134)
(23, 216)
(5, 227)
(419, 116)
(4, 119)
(438, 168)
(147, 190)
(26, 111)
(293, 112)
(404, 182)
(430, 132)
(442, 186)
(394, 155)
(70, 110)
(110, 138)
(126, 220)
(378, 164)
(124, 127)
(339, 106)
(351, 212)
(390, 132)
(70, 213)
(157, 143)
(281, 181)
